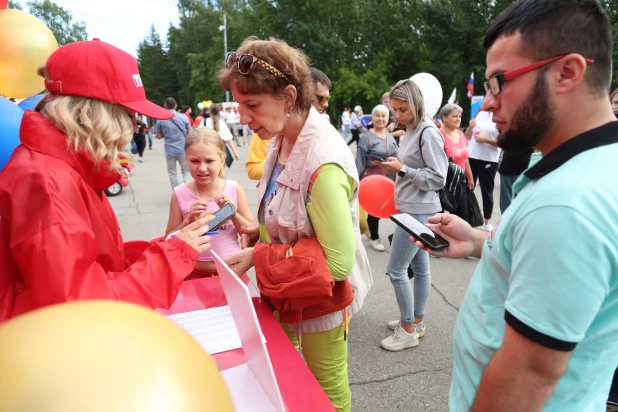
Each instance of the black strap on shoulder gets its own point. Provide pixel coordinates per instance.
(420, 143)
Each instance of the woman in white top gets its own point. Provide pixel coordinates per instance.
(214, 122)
(484, 158)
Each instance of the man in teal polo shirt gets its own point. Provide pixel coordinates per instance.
(538, 326)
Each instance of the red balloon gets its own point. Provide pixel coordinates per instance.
(376, 195)
(3, 4)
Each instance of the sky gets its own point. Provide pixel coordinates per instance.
(122, 23)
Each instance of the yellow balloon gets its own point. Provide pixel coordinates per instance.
(101, 356)
(25, 44)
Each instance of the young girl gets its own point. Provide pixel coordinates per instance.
(207, 193)
(215, 123)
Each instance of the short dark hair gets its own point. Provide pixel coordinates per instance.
(185, 108)
(318, 76)
(553, 27)
(170, 103)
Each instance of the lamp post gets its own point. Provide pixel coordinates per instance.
(224, 28)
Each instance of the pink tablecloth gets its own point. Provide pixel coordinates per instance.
(300, 390)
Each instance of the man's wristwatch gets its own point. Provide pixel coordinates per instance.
(402, 172)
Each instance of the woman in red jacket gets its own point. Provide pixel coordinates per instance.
(59, 237)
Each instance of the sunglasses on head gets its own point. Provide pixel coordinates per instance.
(322, 99)
(246, 63)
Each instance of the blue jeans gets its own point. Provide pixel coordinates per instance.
(404, 252)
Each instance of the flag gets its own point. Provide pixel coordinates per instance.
(451, 99)
(470, 86)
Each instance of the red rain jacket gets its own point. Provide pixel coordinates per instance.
(59, 237)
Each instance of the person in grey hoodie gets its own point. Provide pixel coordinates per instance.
(421, 167)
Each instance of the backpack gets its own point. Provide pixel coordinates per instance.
(450, 194)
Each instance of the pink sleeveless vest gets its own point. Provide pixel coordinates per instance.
(226, 242)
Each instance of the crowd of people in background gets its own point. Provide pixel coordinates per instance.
(417, 151)
(536, 328)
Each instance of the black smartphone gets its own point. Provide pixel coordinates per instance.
(221, 216)
(421, 232)
(376, 157)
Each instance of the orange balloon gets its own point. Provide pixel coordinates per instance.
(101, 356)
(25, 44)
(376, 194)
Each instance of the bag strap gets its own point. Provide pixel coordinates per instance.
(178, 126)
(420, 143)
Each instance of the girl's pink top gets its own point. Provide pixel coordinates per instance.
(226, 242)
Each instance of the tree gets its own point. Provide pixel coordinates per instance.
(13, 5)
(59, 21)
(195, 51)
(364, 89)
(364, 46)
(156, 70)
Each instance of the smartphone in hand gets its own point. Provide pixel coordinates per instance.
(421, 232)
(221, 216)
(376, 157)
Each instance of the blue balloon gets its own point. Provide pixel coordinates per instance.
(31, 102)
(10, 120)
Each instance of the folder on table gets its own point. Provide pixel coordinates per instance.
(253, 385)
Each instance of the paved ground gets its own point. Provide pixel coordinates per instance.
(414, 379)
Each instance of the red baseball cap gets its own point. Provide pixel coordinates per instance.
(101, 71)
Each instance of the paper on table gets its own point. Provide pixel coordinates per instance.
(246, 391)
(213, 328)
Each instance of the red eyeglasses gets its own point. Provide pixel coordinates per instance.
(246, 62)
(495, 82)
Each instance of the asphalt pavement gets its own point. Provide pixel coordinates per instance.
(415, 379)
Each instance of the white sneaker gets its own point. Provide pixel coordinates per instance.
(141, 159)
(488, 227)
(419, 327)
(400, 340)
(377, 245)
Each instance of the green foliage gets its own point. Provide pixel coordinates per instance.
(13, 5)
(156, 70)
(364, 89)
(364, 46)
(195, 48)
(59, 21)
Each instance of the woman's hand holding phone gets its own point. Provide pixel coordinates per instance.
(391, 165)
(193, 234)
(463, 239)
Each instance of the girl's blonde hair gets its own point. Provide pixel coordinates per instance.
(99, 128)
(210, 138)
(407, 91)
